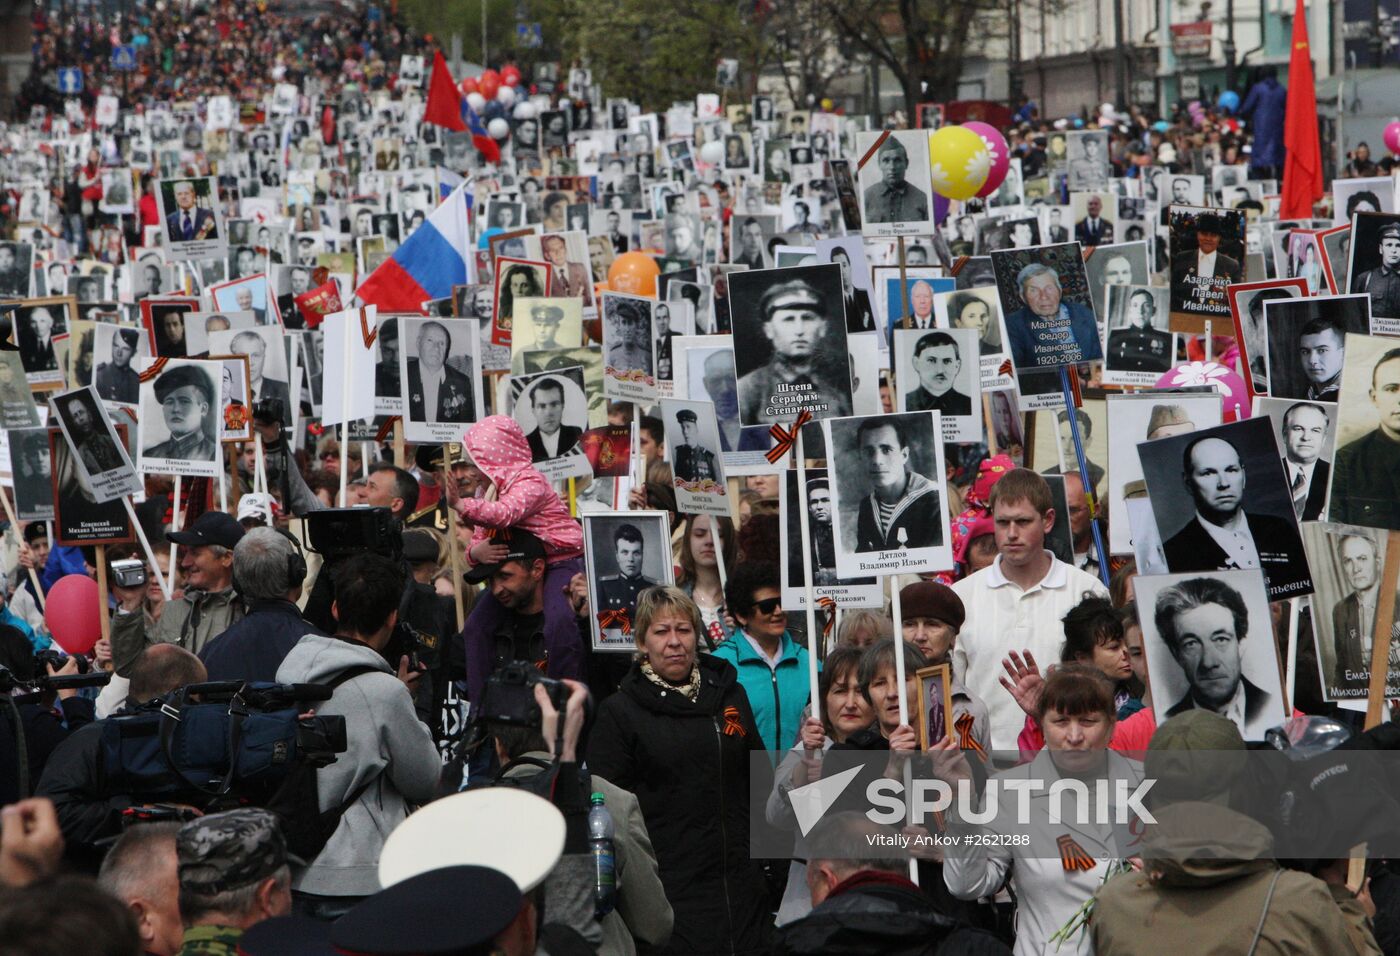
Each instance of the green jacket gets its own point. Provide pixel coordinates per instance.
(210, 941)
(1208, 871)
(193, 621)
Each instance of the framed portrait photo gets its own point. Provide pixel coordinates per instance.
(935, 704)
(625, 553)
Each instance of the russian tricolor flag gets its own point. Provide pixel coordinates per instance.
(436, 257)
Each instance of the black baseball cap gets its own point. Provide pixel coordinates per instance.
(212, 527)
(524, 547)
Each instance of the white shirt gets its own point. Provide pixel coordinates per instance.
(1000, 618)
(1205, 264)
(1234, 539)
(1294, 469)
(431, 383)
(550, 443)
(772, 662)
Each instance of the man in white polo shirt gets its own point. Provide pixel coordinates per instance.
(1017, 602)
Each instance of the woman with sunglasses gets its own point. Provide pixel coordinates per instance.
(772, 666)
(679, 734)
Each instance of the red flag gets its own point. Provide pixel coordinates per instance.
(444, 102)
(1302, 164)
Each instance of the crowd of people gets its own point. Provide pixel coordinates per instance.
(543, 655)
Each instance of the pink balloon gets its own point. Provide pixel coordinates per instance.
(1392, 137)
(71, 612)
(1234, 394)
(1001, 156)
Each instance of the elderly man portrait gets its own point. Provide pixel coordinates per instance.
(1047, 330)
(1304, 436)
(436, 391)
(187, 222)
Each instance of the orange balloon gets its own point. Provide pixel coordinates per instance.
(634, 273)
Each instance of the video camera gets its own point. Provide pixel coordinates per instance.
(43, 682)
(218, 744)
(270, 411)
(510, 695)
(338, 532)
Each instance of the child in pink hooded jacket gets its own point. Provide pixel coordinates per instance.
(519, 497)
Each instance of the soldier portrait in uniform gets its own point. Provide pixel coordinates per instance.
(890, 492)
(543, 324)
(1139, 349)
(1210, 646)
(1221, 502)
(105, 469)
(36, 323)
(628, 361)
(115, 379)
(790, 344)
(821, 540)
(625, 555)
(180, 419)
(895, 182)
(1375, 264)
(1366, 472)
(1305, 344)
(690, 460)
(16, 269)
(938, 371)
(32, 467)
(1088, 158)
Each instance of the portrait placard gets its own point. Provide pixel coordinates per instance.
(979, 309)
(935, 704)
(1366, 472)
(100, 461)
(1049, 312)
(626, 553)
(193, 219)
(935, 372)
(629, 360)
(236, 417)
(17, 409)
(268, 364)
(1138, 349)
(894, 183)
(692, 449)
(1247, 301)
(1305, 344)
(515, 278)
(1209, 641)
(1221, 501)
(704, 371)
(552, 410)
(790, 344)
(1207, 247)
(889, 494)
(31, 469)
(37, 323)
(439, 372)
(80, 516)
(1374, 267)
(180, 416)
(821, 527)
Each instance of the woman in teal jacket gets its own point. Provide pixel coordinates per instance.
(772, 666)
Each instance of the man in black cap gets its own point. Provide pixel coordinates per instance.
(186, 397)
(628, 333)
(1206, 262)
(116, 381)
(1383, 282)
(801, 367)
(691, 461)
(234, 874)
(206, 609)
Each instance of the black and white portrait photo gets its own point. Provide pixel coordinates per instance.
(624, 555)
(1122, 263)
(1306, 344)
(1049, 312)
(849, 253)
(1087, 152)
(410, 71)
(704, 371)
(821, 528)
(82, 515)
(1210, 645)
(1247, 301)
(1221, 502)
(180, 418)
(1094, 215)
(32, 468)
(104, 467)
(438, 369)
(889, 494)
(544, 324)
(165, 322)
(504, 215)
(1138, 349)
(748, 239)
(790, 344)
(1375, 264)
(937, 370)
(1307, 436)
(16, 269)
(1348, 564)
(629, 362)
(115, 349)
(894, 183)
(552, 410)
(692, 448)
(978, 309)
(17, 409)
(1364, 473)
(37, 323)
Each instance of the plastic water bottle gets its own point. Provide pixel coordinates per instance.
(600, 839)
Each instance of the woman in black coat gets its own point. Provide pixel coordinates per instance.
(678, 734)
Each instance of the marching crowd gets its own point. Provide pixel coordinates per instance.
(357, 694)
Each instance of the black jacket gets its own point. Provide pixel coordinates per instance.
(881, 919)
(72, 781)
(253, 648)
(689, 765)
(44, 731)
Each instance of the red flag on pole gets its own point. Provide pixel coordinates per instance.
(1302, 164)
(444, 107)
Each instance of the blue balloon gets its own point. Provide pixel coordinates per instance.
(485, 241)
(1161, 126)
(1078, 123)
(1229, 101)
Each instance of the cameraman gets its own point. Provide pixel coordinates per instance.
(269, 570)
(642, 912)
(207, 608)
(72, 778)
(45, 727)
(391, 761)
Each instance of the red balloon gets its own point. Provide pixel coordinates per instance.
(71, 613)
(489, 84)
(510, 76)
(469, 85)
